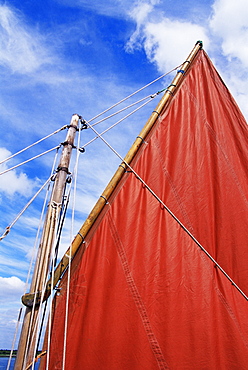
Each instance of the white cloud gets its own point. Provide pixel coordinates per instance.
(11, 182)
(229, 27)
(21, 49)
(11, 287)
(162, 38)
(229, 23)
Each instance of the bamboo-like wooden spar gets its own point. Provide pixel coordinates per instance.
(77, 242)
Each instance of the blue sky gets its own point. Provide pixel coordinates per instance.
(60, 57)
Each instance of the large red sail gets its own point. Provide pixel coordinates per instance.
(144, 295)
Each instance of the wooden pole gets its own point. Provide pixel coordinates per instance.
(121, 169)
(27, 340)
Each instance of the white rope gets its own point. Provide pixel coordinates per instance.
(31, 336)
(8, 228)
(32, 260)
(172, 215)
(115, 124)
(136, 92)
(125, 108)
(75, 174)
(40, 223)
(28, 160)
(31, 145)
(14, 338)
(43, 289)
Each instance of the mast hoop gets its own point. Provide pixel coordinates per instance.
(106, 200)
(142, 139)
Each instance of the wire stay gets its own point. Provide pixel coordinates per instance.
(171, 214)
(31, 145)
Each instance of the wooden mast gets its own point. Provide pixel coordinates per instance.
(121, 169)
(27, 340)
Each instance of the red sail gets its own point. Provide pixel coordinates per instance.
(144, 295)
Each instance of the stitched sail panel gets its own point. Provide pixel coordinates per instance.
(144, 295)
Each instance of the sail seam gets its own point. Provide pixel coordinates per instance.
(154, 344)
(174, 189)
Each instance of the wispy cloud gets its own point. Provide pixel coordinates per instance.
(110, 8)
(20, 50)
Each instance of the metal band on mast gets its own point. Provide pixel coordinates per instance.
(26, 345)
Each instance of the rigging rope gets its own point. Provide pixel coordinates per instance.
(14, 338)
(37, 236)
(8, 228)
(115, 124)
(51, 303)
(31, 261)
(171, 214)
(127, 107)
(75, 175)
(31, 145)
(32, 337)
(134, 93)
(29, 160)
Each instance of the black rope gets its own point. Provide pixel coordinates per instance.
(170, 92)
(61, 221)
(121, 165)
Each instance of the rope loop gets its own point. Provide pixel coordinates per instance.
(121, 165)
(84, 125)
(106, 200)
(7, 230)
(83, 240)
